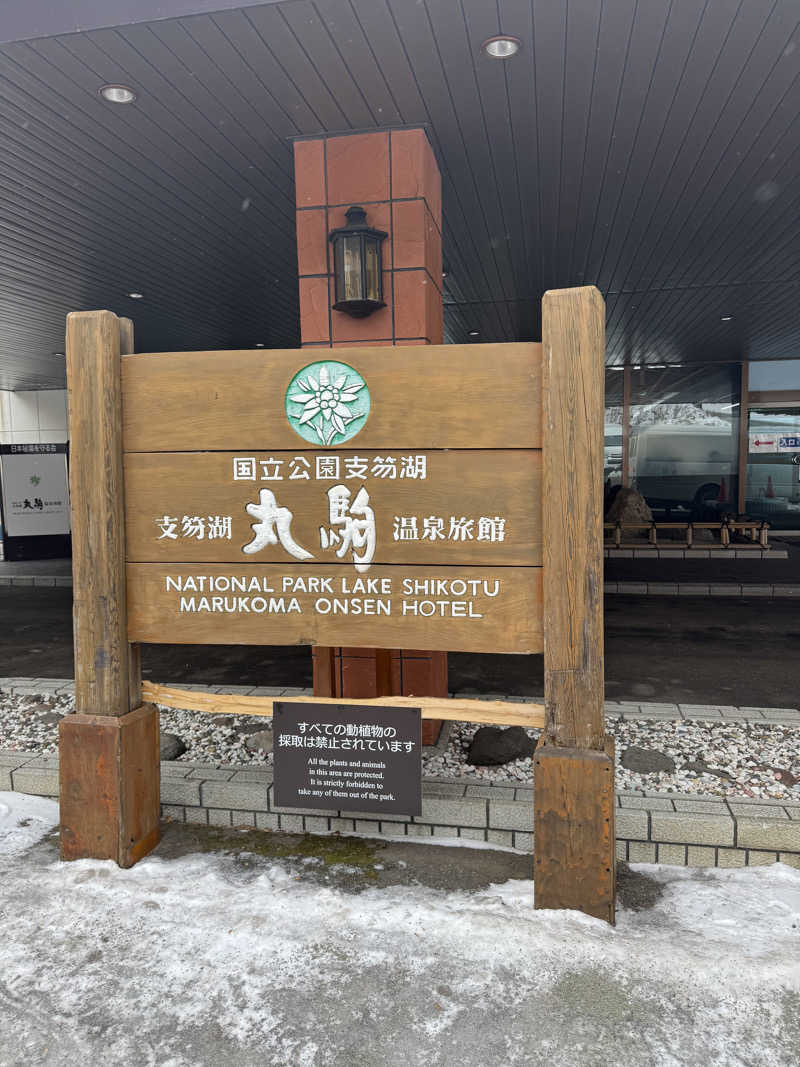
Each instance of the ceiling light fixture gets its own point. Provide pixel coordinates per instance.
(117, 94)
(474, 333)
(259, 346)
(136, 296)
(502, 46)
(726, 318)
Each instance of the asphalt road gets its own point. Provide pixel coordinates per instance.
(693, 650)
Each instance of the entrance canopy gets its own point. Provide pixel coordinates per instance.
(650, 149)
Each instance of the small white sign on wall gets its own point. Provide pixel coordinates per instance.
(35, 490)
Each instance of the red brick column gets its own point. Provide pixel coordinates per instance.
(393, 175)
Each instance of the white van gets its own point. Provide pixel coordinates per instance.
(682, 466)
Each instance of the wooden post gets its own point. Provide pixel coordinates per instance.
(574, 836)
(109, 750)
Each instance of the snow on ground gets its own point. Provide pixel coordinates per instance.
(755, 759)
(208, 959)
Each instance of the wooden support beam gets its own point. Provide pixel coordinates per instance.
(626, 426)
(574, 846)
(496, 712)
(109, 754)
(573, 388)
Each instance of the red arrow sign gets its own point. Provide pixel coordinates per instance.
(757, 442)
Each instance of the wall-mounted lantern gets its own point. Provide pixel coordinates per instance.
(357, 272)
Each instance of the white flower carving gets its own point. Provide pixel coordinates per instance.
(326, 401)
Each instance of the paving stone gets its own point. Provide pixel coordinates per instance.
(383, 816)
(317, 824)
(40, 781)
(219, 817)
(731, 857)
(472, 833)
(246, 796)
(674, 855)
(180, 791)
(445, 831)
(728, 589)
(442, 789)
(628, 800)
(654, 708)
(523, 841)
(710, 807)
(496, 837)
(368, 827)
(698, 711)
(622, 850)
(756, 858)
(340, 824)
(760, 811)
(172, 811)
(15, 759)
(324, 812)
(510, 815)
(256, 775)
(756, 590)
(786, 590)
(778, 834)
(778, 716)
(691, 828)
(243, 818)
(197, 815)
(292, 824)
(212, 774)
(464, 811)
(267, 820)
(641, 852)
(418, 830)
(632, 823)
(792, 859)
(173, 769)
(692, 589)
(493, 792)
(697, 856)
(764, 711)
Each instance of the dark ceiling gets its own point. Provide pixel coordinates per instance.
(651, 148)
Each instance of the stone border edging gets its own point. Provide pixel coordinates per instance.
(709, 589)
(651, 828)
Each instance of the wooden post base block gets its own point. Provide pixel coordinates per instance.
(574, 833)
(110, 786)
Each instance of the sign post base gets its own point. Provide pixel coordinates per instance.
(574, 847)
(110, 784)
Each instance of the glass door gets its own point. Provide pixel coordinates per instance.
(773, 466)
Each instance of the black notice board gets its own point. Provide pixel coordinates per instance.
(347, 757)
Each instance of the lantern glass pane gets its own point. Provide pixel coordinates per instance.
(372, 268)
(350, 276)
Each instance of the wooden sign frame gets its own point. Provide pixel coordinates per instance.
(109, 764)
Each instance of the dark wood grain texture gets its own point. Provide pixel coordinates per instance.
(102, 665)
(427, 397)
(572, 515)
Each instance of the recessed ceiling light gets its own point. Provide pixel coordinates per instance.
(259, 346)
(136, 296)
(59, 354)
(117, 94)
(474, 333)
(502, 46)
(726, 318)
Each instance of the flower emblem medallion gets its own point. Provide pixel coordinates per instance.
(327, 403)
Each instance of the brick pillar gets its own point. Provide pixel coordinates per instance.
(393, 175)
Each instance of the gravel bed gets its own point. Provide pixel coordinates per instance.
(751, 760)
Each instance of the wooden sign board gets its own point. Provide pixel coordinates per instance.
(370, 500)
(429, 497)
